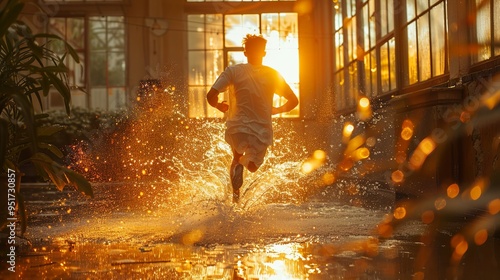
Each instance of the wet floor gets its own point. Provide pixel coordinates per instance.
(114, 237)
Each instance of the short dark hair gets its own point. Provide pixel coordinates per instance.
(254, 42)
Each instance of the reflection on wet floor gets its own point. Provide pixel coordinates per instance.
(76, 238)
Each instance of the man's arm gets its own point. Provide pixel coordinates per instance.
(291, 100)
(213, 100)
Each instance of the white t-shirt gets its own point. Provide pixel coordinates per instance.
(250, 99)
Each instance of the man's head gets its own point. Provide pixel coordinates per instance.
(255, 48)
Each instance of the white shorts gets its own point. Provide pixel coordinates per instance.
(252, 149)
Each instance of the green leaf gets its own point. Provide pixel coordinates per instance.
(53, 149)
(9, 15)
(48, 130)
(60, 175)
(62, 88)
(28, 113)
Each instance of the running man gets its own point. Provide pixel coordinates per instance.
(249, 129)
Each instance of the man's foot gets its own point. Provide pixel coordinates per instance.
(236, 180)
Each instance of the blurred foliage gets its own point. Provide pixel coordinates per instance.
(29, 70)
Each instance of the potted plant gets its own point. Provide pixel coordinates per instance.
(28, 70)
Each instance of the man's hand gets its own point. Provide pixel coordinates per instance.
(223, 106)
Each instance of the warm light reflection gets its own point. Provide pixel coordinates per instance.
(364, 110)
(407, 131)
(400, 213)
(494, 206)
(397, 176)
(440, 203)
(453, 190)
(347, 131)
(481, 237)
(425, 148)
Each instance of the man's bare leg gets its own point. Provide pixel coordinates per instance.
(236, 175)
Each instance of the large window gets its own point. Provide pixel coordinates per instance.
(365, 50)
(101, 72)
(236, 0)
(487, 29)
(71, 30)
(426, 30)
(107, 63)
(215, 42)
(365, 46)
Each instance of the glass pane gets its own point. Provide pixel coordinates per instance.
(197, 102)
(369, 89)
(392, 62)
(196, 67)
(116, 69)
(214, 32)
(390, 17)
(373, 71)
(438, 31)
(76, 74)
(78, 99)
(422, 5)
(373, 24)
(76, 34)
(286, 62)
(338, 19)
(97, 68)
(214, 64)
(271, 27)
(98, 98)
(483, 29)
(410, 10)
(97, 33)
(196, 30)
(116, 36)
(116, 98)
(353, 79)
(288, 30)
(351, 34)
(496, 30)
(424, 48)
(412, 54)
(383, 18)
(351, 8)
(237, 26)
(339, 47)
(234, 58)
(365, 15)
(385, 74)
(339, 90)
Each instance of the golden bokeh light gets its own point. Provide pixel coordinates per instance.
(400, 212)
(397, 176)
(440, 203)
(456, 239)
(494, 206)
(328, 178)
(453, 190)
(427, 146)
(307, 167)
(407, 130)
(480, 237)
(347, 131)
(475, 193)
(364, 102)
(364, 110)
(361, 153)
(319, 155)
